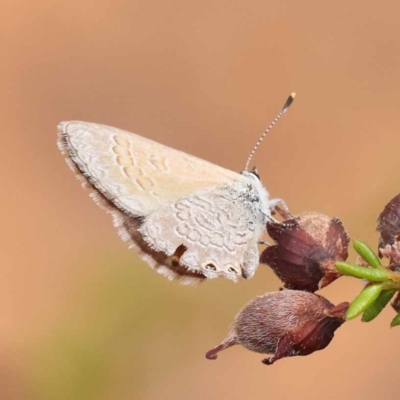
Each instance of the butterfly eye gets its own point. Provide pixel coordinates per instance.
(211, 267)
(232, 270)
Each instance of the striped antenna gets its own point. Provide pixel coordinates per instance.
(289, 101)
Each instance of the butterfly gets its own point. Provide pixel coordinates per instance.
(189, 219)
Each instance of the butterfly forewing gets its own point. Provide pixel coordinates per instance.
(137, 174)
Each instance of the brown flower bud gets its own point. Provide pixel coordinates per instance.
(389, 229)
(286, 323)
(396, 303)
(306, 249)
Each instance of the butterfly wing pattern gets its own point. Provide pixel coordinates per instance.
(190, 219)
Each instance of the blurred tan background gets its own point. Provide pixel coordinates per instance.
(81, 317)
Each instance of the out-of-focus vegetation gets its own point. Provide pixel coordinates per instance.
(114, 318)
(80, 316)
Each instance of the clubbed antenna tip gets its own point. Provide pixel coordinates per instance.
(289, 101)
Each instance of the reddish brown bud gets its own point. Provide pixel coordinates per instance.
(389, 229)
(306, 249)
(286, 323)
(396, 303)
(389, 222)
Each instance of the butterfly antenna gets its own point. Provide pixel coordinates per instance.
(289, 101)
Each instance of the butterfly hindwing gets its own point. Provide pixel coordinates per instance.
(219, 228)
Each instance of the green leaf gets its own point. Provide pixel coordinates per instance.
(395, 321)
(371, 274)
(379, 304)
(363, 301)
(367, 254)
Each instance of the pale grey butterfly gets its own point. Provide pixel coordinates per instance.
(189, 219)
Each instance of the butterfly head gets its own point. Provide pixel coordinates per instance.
(255, 173)
(251, 175)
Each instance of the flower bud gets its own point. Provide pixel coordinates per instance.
(306, 249)
(396, 303)
(286, 323)
(389, 229)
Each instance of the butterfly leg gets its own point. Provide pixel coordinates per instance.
(272, 219)
(274, 202)
(283, 211)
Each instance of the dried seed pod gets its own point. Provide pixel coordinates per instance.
(306, 249)
(396, 303)
(286, 323)
(389, 222)
(389, 229)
